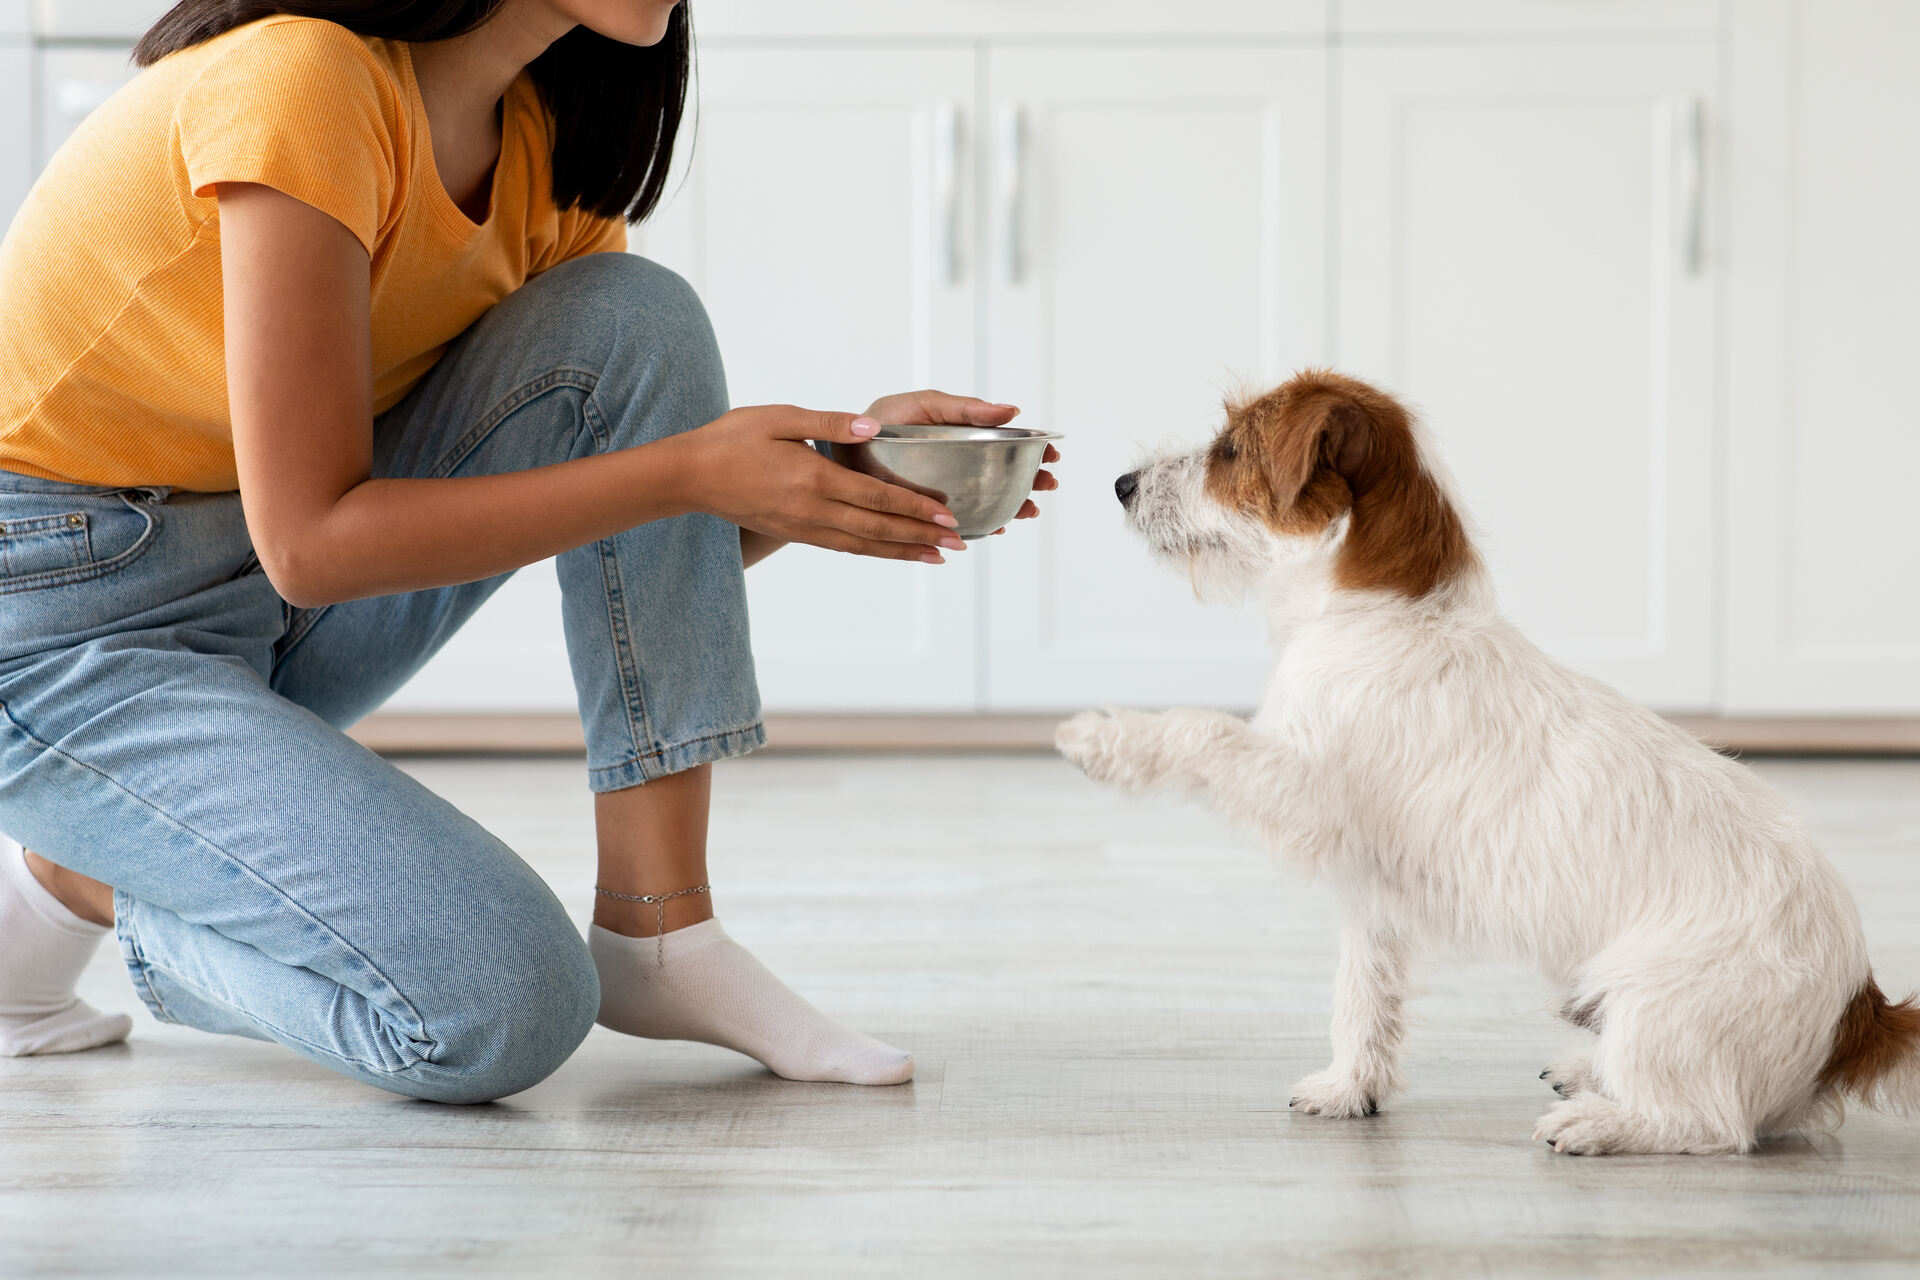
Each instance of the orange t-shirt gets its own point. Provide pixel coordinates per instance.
(112, 360)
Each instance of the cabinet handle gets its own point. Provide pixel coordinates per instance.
(1013, 163)
(947, 143)
(1692, 125)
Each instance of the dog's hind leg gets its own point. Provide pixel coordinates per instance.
(1570, 1077)
(1690, 1060)
(1369, 1021)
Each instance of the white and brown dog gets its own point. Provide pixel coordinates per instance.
(1463, 790)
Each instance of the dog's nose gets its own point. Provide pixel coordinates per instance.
(1124, 487)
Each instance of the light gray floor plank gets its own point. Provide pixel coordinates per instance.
(1109, 999)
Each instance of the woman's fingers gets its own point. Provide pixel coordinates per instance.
(1045, 482)
(979, 413)
(926, 407)
(856, 490)
(877, 526)
(837, 539)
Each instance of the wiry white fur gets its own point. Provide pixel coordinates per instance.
(1463, 790)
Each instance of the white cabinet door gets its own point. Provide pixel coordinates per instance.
(825, 222)
(1524, 254)
(1157, 238)
(1824, 433)
(16, 111)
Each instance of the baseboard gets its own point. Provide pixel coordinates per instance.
(414, 733)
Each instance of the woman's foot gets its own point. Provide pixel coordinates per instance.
(711, 989)
(44, 947)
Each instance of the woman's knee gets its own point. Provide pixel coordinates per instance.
(523, 1012)
(660, 371)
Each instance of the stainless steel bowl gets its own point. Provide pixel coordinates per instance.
(982, 474)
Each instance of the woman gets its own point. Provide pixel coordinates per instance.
(316, 331)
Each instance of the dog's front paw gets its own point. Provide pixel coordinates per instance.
(1102, 745)
(1335, 1094)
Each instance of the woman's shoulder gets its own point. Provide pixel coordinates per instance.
(286, 51)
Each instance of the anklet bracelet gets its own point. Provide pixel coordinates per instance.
(659, 902)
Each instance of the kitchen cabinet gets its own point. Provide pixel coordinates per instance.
(1156, 239)
(1526, 254)
(1823, 428)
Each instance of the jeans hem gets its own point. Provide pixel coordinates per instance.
(136, 963)
(677, 757)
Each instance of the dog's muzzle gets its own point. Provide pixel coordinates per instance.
(1126, 486)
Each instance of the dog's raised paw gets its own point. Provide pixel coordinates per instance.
(1336, 1096)
(1096, 742)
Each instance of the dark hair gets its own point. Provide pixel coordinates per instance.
(616, 107)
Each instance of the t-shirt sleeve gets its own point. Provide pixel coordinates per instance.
(302, 106)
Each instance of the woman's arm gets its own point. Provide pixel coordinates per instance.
(300, 391)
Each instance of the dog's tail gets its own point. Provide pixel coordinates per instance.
(1876, 1052)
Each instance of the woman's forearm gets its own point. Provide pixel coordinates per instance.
(386, 536)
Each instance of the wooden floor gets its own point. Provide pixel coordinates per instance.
(1109, 999)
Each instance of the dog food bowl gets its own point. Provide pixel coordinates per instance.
(982, 474)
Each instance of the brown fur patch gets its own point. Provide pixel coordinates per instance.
(1323, 444)
(1872, 1038)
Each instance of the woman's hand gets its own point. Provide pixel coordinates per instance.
(755, 468)
(933, 408)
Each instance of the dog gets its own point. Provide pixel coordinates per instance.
(1462, 790)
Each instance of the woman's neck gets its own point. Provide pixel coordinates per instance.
(462, 81)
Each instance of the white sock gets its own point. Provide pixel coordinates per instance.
(43, 948)
(711, 989)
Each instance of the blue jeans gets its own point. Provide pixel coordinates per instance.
(172, 727)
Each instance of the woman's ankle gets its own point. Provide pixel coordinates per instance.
(82, 895)
(643, 920)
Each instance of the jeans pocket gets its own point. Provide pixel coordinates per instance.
(43, 544)
(51, 539)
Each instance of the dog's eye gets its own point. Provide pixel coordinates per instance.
(1228, 449)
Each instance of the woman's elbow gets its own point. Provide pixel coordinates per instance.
(301, 581)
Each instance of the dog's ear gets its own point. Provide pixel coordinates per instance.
(1312, 443)
(1339, 434)
(1334, 445)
